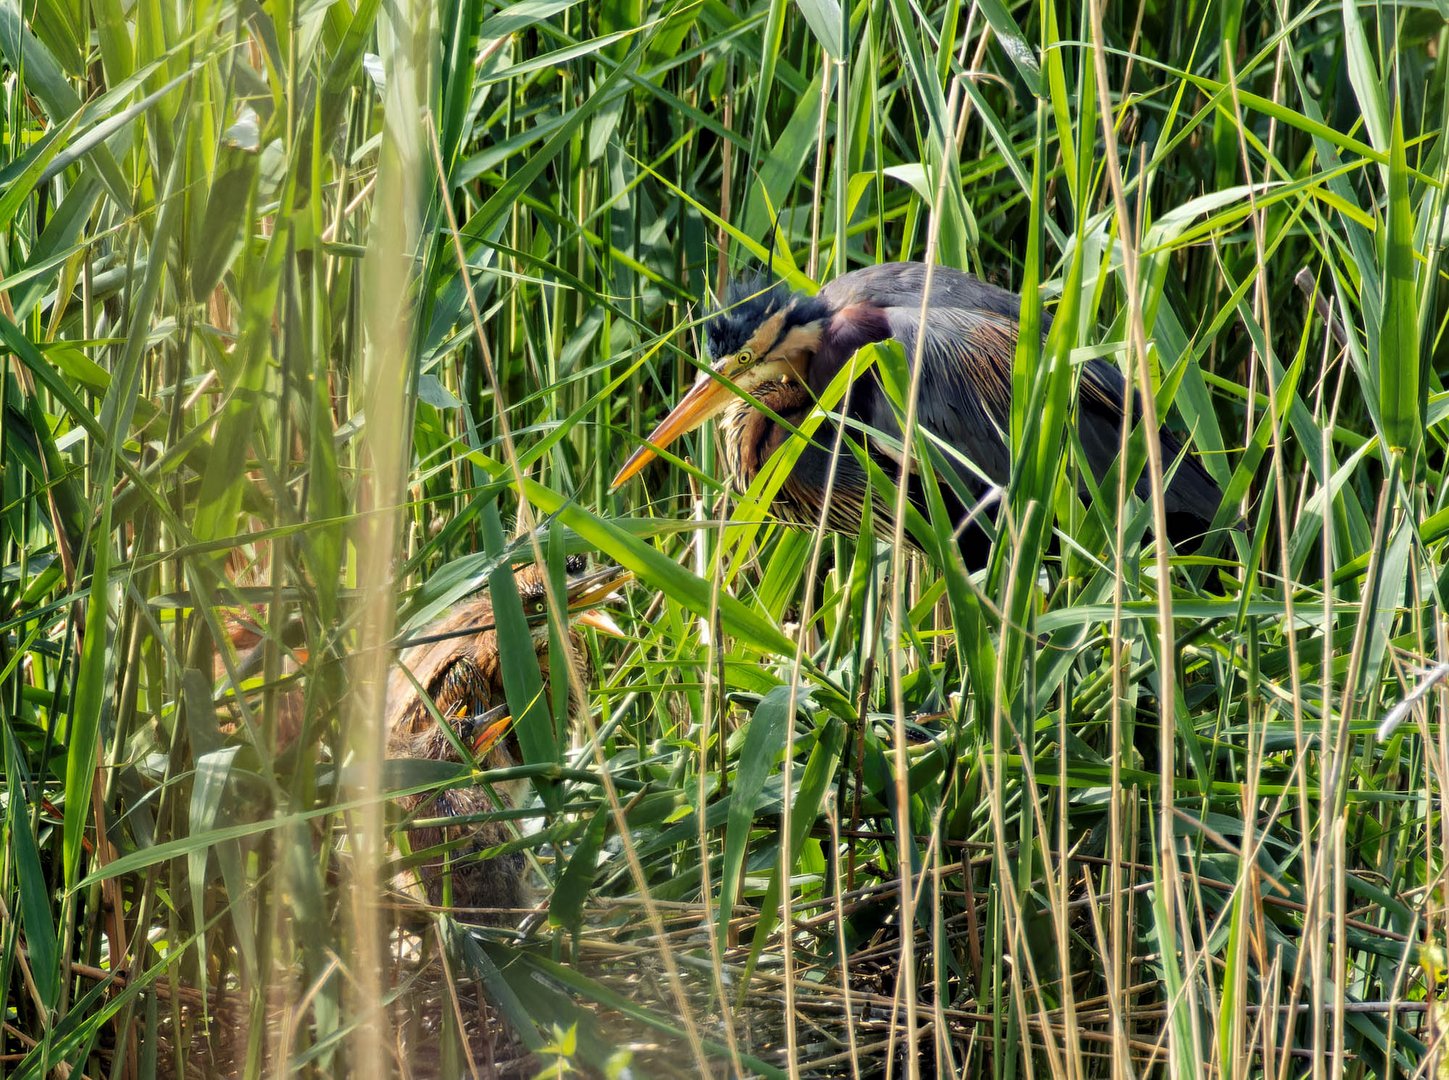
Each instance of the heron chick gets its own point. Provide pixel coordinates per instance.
(457, 660)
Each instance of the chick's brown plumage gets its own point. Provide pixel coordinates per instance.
(458, 664)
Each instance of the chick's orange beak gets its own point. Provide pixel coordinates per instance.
(488, 737)
(488, 728)
(602, 621)
(587, 593)
(706, 398)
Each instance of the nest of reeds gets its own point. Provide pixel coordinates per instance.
(438, 1022)
(827, 1019)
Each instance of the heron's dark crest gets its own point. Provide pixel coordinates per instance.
(748, 303)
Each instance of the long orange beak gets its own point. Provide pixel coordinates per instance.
(706, 398)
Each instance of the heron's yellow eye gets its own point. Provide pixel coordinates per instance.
(745, 358)
(538, 607)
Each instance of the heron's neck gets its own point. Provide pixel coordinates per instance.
(749, 434)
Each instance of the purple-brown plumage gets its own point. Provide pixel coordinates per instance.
(782, 350)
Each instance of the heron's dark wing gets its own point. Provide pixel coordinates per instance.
(971, 327)
(966, 400)
(965, 391)
(1191, 493)
(965, 395)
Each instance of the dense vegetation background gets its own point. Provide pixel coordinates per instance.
(316, 314)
